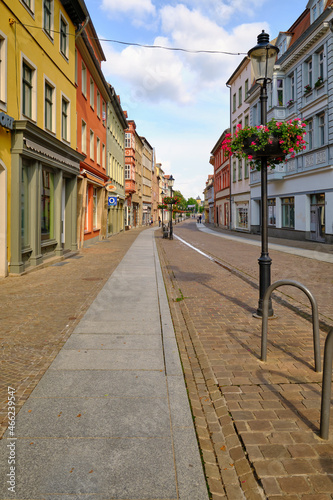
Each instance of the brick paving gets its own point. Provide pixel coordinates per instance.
(257, 423)
(39, 311)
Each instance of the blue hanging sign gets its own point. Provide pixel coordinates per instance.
(112, 201)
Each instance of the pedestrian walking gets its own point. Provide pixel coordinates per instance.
(200, 219)
(159, 222)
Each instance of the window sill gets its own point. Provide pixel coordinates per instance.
(48, 243)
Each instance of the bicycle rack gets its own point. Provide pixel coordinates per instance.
(326, 387)
(315, 319)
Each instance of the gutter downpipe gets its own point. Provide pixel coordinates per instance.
(82, 27)
(230, 211)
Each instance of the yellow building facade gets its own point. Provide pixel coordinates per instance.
(38, 159)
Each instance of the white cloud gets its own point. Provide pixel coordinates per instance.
(224, 10)
(157, 75)
(135, 7)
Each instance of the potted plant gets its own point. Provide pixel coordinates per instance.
(162, 207)
(291, 102)
(307, 89)
(319, 82)
(275, 140)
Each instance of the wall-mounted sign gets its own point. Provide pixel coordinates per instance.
(112, 201)
(6, 121)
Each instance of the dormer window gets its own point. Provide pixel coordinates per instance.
(317, 9)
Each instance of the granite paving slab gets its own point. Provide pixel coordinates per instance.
(107, 341)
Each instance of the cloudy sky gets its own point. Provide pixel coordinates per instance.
(179, 100)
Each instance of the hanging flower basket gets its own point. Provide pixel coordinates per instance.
(170, 200)
(271, 150)
(275, 140)
(162, 207)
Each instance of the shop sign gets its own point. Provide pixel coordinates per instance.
(6, 121)
(112, 201)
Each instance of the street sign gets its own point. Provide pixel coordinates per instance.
(112, 201)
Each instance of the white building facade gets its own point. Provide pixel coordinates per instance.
(300, 191)
(239, 83)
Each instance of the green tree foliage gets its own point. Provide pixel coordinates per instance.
(191, 201)
(182, 203)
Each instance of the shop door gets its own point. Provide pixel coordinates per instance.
(317, 224)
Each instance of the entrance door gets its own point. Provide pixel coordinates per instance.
(63, 208)
(317, 223)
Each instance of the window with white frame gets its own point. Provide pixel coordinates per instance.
(49, 106)
(63, 36)
(29, 5)
(98, 104)
(128, 140)
(240, 92)
(65, 108)
(3, 69)
(246, 169)
(48, 17)
(309, 73)
(84, 137)
(76, 66)
(317, 10)
(98, 150)
(234, 102)
(127, 171)
(321, 64)
(29, 90)
(84, 79)
(103, 156)
(240, 170)
(321, 127)
(310, 134)
(292, 87)
(234, 172)
(92, 145)
(92, 93)
(246, 89)
(280, 91)
(103, 112)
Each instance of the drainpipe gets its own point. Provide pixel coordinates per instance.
(230, 184)
(79, 30)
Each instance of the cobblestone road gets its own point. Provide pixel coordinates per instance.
(257, 423)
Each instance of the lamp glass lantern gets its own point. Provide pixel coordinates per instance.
(263, 57)
(171, 181)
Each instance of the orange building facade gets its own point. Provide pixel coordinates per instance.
(221, 184)
(92, 97)
(130, 186)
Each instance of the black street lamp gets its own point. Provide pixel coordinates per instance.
(162, 194)
(171, 181)
(263, 57)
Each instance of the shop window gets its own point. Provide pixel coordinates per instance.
(47, 205)
(25, 216)
(242, 217)
(95, 208)
(272, 212)
(288, 212)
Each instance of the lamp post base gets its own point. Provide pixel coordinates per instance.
(264, 262)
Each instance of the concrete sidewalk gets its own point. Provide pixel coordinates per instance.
(110, 419)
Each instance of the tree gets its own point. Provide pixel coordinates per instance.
(192, 201)
(182, 203)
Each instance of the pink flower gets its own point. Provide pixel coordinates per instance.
(291, 150)
(249, 157)
(281, 142)
(253, 143)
